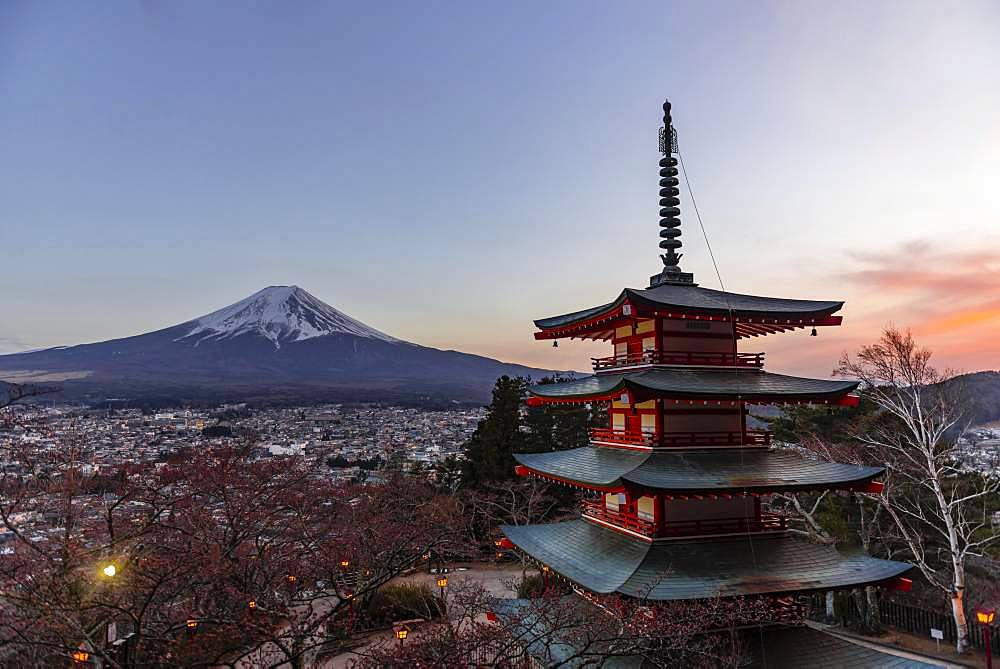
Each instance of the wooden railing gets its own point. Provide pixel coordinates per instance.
(629, 521)
(622, 437)
(675, 439)
(768, 522)
(679, 358)
(749, 438)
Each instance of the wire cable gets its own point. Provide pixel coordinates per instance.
(732, 321)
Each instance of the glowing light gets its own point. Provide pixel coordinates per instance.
(110, 570)
(191, 623)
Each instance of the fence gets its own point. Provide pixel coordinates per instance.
(501, 656)
(913, 620)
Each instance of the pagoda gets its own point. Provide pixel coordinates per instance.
(678, 481)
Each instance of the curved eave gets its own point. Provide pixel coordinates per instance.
(715, 473)
(701, 385)
(604, 561)
(588, 467)
(754, 315)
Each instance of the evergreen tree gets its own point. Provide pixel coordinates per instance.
(488, 453)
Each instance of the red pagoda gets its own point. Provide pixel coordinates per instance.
(677, 477)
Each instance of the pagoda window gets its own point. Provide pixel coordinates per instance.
(617, 421)
(648, 424)
(614, 501)
(645, 508)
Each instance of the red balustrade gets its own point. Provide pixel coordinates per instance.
(622, 437)
(629, 521)
(679, 358)
(675, 439)
(767, 522)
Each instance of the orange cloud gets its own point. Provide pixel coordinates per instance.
(949, 298)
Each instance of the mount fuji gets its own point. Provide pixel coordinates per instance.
(279, 344)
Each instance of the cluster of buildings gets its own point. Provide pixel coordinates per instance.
(336, 437)
(980, 450)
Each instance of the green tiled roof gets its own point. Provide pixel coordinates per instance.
(723, 470)
(604, 561)
(706, 301)
(748, 384)
(794, 647)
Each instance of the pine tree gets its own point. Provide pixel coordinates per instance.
(488, 453)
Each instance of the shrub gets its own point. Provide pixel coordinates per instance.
(402, 602)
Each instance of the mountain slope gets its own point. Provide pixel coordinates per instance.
(279, 342)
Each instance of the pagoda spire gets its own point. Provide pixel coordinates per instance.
(670, 222)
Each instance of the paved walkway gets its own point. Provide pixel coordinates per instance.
(493, 578)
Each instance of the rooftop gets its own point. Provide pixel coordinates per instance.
(713, 471)
(750, 385)
(694, 300)
(604, 561)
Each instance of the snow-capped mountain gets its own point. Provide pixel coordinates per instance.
(281, 343)
(280, 314)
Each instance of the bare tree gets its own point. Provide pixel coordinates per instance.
(930, 501)
(218, 559)
(577, 631)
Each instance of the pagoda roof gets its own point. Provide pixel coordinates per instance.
(695, 299)
(743, 384)
(696, 471)
(790, 647)
(605, 561)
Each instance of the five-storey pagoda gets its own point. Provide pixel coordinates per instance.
(677, 477)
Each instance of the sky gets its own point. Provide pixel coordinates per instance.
(448, 172)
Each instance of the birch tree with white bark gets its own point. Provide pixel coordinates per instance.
(938, 511)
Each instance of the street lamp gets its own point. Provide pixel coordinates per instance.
(442, 583)
(109, 570)
(401, 633)
(344, 564)
(252, 603)
(986, 616)
(191, 624)
(80, 656)
(292, 578)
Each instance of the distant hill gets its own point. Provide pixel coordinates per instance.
(983, 388)
(279, 344)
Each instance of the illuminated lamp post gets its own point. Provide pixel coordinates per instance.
(80, 657)
(401, 633)
(986, 616)
(110, 570)
(442, 583)
(344, 564)
(191, 624)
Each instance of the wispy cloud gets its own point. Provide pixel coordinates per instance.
(948, 297)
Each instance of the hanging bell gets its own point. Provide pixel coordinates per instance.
(555, 343)
(813, 333)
